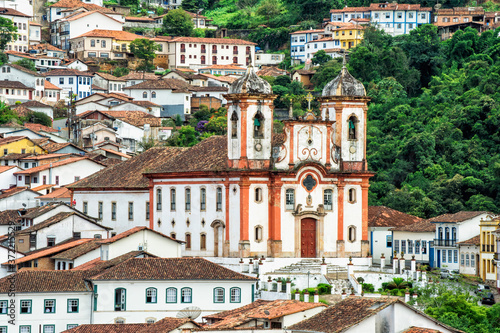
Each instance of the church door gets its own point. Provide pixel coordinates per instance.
(308, 238)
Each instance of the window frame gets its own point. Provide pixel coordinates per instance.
(219, 199)
(325, 206)
(130, 210)
(190, 295)
(45, 306)
(155, 295)
(158, 199)
(30, 306)
(289, 206)
(188, 242)
(123, 307)
(48, 326)
(173, 199)
(24, 326)
(113, 211)
(77, 305)
(6, 307)
(216, 296)
(187, 199)
(231, 295)
(166, 295)
(203, 199)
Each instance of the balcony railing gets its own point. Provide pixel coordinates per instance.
(183, 50)
(235, 52)
(445, 242)
(214, 51)
(203, 50)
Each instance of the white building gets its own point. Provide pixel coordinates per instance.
(299, 40)
(35, 31)
(18, 197)
(268, 59)
(72, 81)
(7, 178)
(414, 240)
(451, 229)
(13, 72)
(109, 82)
(63, 7)
(469, 256)
(21, 22)
(12, 92)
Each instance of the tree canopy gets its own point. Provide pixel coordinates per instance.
(7, 32)
(178, 23)
(144, 49)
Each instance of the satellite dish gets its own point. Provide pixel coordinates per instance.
(191, 312)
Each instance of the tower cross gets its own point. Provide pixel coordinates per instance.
(309, 98)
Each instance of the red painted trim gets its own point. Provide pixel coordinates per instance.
(340, 208)
(151, 205)
(244, 210)
(226, 184)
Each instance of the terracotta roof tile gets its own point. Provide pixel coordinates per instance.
(167, 324)
(421, 226)
(382, 216)
(476, 240)
(35, 212)
(51, 165)
(307, 31)
(262, 310)
(20, 54)
(42, 187)
(77, 251)
(210, 88)
(110, 77)
(457, 217)
(11, 215)
(35, 24)
(115, 34)
(14, 190)
(61, 192)
(350, 9)
(22, 69)
(36, 104)
(11, 139)
(140, 76)
(170, 269)
(109, 328)
(39, 127)
(133, 231)
(58, 218)
(271, 71)
(44, 46)
(4, 168)
(415, 329)
(139, 19)
(12, 12)
(145, 104)
(34, 281)
(14, 84)
(67, 72)
(100, 265)
(224, 78)
(170, 84)
(79, 15)
(80, 4)
(45, 156)
(225, 41)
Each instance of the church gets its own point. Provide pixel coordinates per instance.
(300, 193)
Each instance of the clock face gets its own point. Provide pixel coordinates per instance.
(352, 149)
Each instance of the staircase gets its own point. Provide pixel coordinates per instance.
(313, 266)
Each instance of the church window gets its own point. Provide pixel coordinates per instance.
(327, 199)
(203, 242)
(158, 199)
(290, 199)
(188, 241)
(188, 199)
(258, 194)
(351, 233)
(258, 125)
(234, 125)
(172, 199)
(258, 233)
(219, 199)
(203, 199)
(352, 128)
(352, 195)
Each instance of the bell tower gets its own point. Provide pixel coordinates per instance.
(250, 122)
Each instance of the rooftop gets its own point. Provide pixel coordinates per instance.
(170, 84)
(476, 240)
(67, 72)
(11, 12)
(382, 216)
(224, 41)
(15, 85)
(51, 165)
(458, 217)
(109, 328)
(115, 34)
(47, 281)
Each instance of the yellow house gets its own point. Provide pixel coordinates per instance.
(349, 37)
(19, 145)
(488, 248)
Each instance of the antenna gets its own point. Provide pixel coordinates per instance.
(191, 312)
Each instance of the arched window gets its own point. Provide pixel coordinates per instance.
(447, 233)
(186, 295)
(353, 128)
(258, 125)
(290, 199)
(219, 199)
(218, 295)
(151, 295)
(235, 49)
(328, 199)
(258, 233)
(203, 60)
(467, 260)
(120, 299)
(440, 233)
(235, 294)
(172, 199)
(183, 47)
(234, 125)
(258, 194)
(153, 94)
(203, 199)
(352, 195)
(235, 60)
(351, 233)
(214, 60)
(188, 199)
(188, 241)
(145, 94)
(454, 233)
(171, 295)
(203, 242)
(158, 199)
(183, 59)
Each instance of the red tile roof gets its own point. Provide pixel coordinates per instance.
(44, 46)
(61, 192)
(67, 72)
(8, 216)
(109, 328)
(140, 76)
(139, 19)
(421, 226)
(80, 4)
(232, 66)
(110, 77)
(473, 241)
(4, 168)
(135, 230)
(45, 156)
(224, 41)
(10, 139)
(15, 85)
(22, 69)
(169, 84)
(228, 79)
(114, 34)
(50, 86)
(457, 217)
(350, 9)
(51, 165)
(168, 324)
(36, 281)
(59, 217)
(14, 190)
(415, 329)
(171, 269)
(79, 15)
(382, 216)
(78, 250)
(42, 187)
(98, 264)
(20, 54)
(307, 31)
(39, 127)
(5, 11)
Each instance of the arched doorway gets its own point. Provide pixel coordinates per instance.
(218, 226)
(308, 238)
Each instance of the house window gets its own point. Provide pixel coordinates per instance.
(85, 207)
(183, 59)
(410, 246)
(454, 233)
(145, 94)
(61, 80)
(99, 205)
(92, 43)
(188, 199)
(219, 199)
(472, 260)
(462, 260)
(290, 199)
(444, 256)
(51, 241)
(417, 247)
(258, 194)
(113, 211)
(327, 199)
(188, 241)
(130, 211)
(235, 295)
(450, 254)
(172, 199)
(396, 245)
(186, 295)
(218, 295)
(258, 233)
(70, 80)
(203, 242)
(120, 299)
(147, 210)
(424, 247)
(410, 15)
(25, 306)
(57, 180)
(388, 241)
(422, 15)
(151, 295)
(403, 246)
(49, 328)
(203, 199)
(158, 199)
(24, 329)
(455, 256)
(171, 295)
(351, 233)
(49, 306)
(153, 94)
(3, 307)
(73, 305)
(70, 326)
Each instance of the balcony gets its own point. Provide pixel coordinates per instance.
(235, 52)
(183, 50)
(203, 50)
(214, 51)
(445, 242)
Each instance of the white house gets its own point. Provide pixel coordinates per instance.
(61, 8)
(268, 59)
(37, 106)
(414, 240)
(15, 91)
(299, 40)
(13, 72)
(361, 315)
(59, 173)
(109, 82)
(380, 221)
(469, 256)
(173, 95)
(78, 65)
(73, 81)
(232, 69)
(18, 197)
(35, 31)
(61, 194)
(7, 178)
(152, 288)
(47, 49)
(452, 229)
(21, 22)
(165, 325)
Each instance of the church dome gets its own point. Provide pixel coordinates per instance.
(250, 83)
(344, 85)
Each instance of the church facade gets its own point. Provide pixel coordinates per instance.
(300, 193)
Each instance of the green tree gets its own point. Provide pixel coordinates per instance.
(186, 136)
(39, 118)
(7, 114)
(146, 143)
(269, 8)
(7, 32)
(144, 49)
(120, 71)
(26, 63)
(178, 23)
(194, 5)
(320, 58)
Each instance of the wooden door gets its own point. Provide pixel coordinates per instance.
(308, 238)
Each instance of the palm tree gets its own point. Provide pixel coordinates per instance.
(397, 283)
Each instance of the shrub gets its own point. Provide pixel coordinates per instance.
(324, 288)
(394, 292)
(384, 285)
(368, 287)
